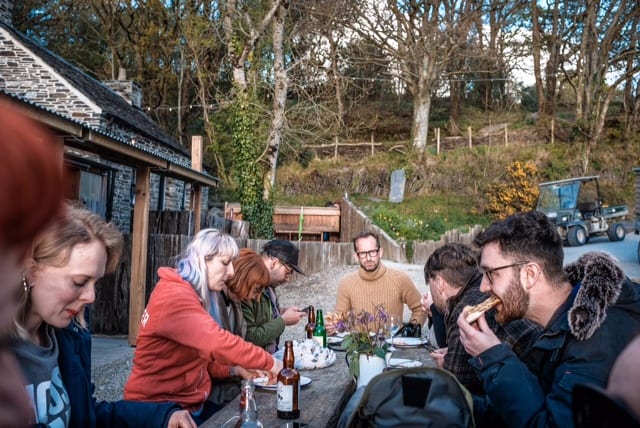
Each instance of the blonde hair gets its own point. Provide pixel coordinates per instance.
(54, 246)
(192, 263)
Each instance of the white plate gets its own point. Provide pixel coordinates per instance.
(304, 381)
(334, 339)
(406, 341)
(403, 363)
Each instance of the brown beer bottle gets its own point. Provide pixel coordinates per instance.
(311, 323)
(288, 386)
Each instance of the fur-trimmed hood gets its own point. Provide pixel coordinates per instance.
(601, 280)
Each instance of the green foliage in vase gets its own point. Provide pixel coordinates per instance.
(367, 332)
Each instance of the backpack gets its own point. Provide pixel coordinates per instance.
(411, 397)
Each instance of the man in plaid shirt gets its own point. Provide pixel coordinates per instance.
(454, 277)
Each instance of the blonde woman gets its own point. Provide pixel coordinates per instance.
(180, 347)
(51, 339)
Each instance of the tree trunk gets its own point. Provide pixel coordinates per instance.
(279, 97)
(536, 48)
(420, 127)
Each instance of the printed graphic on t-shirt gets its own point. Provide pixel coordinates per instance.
(50, 401)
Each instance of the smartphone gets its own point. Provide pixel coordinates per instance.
(429, 347)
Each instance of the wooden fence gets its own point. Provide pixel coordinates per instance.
(422, 250)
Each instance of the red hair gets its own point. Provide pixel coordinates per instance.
(31, 182)
(250, 273)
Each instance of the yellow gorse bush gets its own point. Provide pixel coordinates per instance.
(518, 192)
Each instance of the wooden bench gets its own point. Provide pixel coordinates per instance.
(318, 222)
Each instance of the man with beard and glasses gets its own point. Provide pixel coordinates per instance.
(589, 312)
(375, 284)
(454, 278)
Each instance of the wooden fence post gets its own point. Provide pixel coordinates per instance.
(506, 135)
(437, 141)
(372, 149)
(469, 134)
(335, 150)
(552, 130)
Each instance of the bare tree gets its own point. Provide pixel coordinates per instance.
(606, 30)
(419, 37)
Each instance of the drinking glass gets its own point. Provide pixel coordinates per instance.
(394, 326)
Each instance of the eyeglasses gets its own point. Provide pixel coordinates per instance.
(370, 253)
(489, 272)
(287, 269)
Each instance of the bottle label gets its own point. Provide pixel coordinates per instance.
(285, 397)
(319, 340)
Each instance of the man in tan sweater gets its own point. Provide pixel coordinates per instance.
(375, 284)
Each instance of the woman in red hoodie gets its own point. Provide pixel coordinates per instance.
(180, 347)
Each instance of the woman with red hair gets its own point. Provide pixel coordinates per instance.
(250, 278)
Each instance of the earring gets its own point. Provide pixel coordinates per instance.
(25, 285)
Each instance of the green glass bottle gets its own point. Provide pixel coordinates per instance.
(319, 332)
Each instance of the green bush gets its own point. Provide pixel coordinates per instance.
(408, 228)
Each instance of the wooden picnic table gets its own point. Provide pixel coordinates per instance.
(321, 402)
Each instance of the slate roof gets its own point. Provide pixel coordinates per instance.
(112, 104)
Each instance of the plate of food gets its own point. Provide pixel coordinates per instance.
(261, 382)
(309, 355)
(397, 363)
(407, 341)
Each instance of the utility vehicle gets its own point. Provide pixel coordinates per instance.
(575, 206)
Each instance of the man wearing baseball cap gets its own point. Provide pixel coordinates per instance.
(265, 319)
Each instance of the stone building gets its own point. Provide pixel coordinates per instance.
(122, 164)
(106, 134)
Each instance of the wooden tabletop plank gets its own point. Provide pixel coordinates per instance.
(322, 401)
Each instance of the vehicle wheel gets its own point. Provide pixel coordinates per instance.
(616, 232)
(577, 236)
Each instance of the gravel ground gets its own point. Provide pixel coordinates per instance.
(318, 290)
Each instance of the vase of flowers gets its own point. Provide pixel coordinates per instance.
(365, 346)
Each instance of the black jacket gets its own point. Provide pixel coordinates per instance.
(580, 344)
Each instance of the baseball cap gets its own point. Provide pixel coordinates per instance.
(284, 251)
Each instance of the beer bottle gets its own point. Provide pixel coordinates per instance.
(288, 386)
(311, 323)
(319, 332)
(248, 406)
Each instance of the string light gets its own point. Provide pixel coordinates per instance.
(354, 78)
(176, 108)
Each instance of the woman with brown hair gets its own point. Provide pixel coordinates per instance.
(250, 278)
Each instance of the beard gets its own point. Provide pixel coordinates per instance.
(369, 266)
(515, 303)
